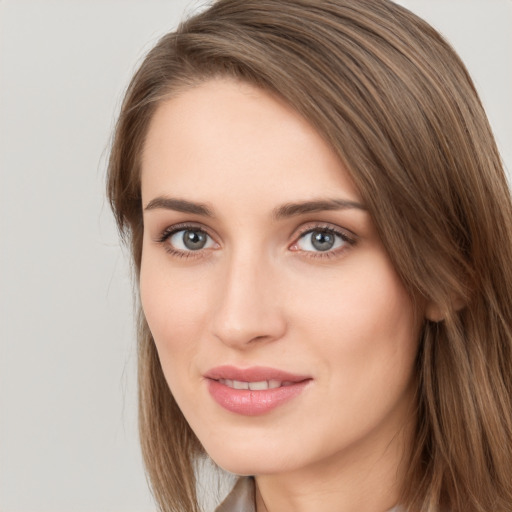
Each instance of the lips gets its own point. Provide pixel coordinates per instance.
(253, 391)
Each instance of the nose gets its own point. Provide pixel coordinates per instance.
(248, 309)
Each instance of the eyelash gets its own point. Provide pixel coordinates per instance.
(346, 236)
(172, 230)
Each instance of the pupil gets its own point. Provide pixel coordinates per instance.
(322, 240)
(194, 240)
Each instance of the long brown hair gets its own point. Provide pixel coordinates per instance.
(399, 108)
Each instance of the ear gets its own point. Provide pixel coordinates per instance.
(434, 313)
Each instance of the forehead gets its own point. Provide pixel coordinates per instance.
(229, 139)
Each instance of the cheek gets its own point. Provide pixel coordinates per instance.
(174, 305)
(364, 321)
(363, 331)
(170, 306)
(364, 294)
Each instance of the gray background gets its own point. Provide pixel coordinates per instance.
(68, 438)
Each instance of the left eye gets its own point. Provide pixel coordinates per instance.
(320, 240)
(190, 240)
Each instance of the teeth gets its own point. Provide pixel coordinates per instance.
(258, 385)
(254, 386)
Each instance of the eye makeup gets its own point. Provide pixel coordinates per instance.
(313, 240)
(194, 242)
(323, 240)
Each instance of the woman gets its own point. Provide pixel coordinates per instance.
(322, 234)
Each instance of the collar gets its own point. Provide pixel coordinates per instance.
(242, 498)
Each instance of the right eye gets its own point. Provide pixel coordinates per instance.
(190, 239)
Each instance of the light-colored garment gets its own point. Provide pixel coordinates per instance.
(242, 498)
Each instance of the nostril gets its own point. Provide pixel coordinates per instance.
(258, 338)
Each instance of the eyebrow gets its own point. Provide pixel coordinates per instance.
(294, 209)
(285, 211)
(179, 205)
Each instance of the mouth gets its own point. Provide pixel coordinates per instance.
(254, 386)
(253, 391)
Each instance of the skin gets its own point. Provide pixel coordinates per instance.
(261, 294)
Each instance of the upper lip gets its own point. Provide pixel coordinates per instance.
(253, 374)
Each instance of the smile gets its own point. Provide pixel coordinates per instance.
(253, 391)
(254, 386)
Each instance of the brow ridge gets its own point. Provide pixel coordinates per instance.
(284, 211)
(303, 207)
(179, 205)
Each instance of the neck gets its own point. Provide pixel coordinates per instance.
(365, 478)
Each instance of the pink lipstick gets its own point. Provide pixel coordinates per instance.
(253, 391)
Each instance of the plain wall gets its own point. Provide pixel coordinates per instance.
(68, 437)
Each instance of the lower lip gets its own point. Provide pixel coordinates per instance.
(250, 402)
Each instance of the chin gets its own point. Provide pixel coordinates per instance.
(247, 460)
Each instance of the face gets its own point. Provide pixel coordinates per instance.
(284, 333)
